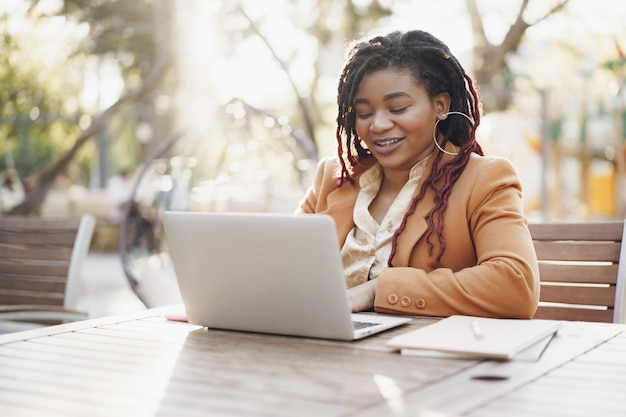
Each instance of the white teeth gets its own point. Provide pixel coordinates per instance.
(387, 142)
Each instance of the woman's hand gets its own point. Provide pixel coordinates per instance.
(361, 297)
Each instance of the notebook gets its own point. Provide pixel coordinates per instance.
(477, 337)
(267, 273)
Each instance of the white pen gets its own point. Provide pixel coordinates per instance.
(478, 332)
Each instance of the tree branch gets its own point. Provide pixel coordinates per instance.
(304, 105)
(513, 37)
(555, 9)
(41, 181)
(478, 29)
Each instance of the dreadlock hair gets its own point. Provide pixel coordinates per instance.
(432, 65)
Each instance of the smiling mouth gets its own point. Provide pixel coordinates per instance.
(389, 142)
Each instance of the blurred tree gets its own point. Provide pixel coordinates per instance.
(40, 182)
(491, 70)
(33, 120)
(120, 32)
(132, 34)
(329, 23)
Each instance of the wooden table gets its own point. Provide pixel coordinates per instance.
(145, 365)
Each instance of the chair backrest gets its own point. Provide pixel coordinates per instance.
(41, 259)
(582, 267)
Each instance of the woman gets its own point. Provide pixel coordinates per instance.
(427, 224)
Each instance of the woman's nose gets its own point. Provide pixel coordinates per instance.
(381, 122)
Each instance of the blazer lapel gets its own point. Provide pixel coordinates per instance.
(416, 226)
(417, 223)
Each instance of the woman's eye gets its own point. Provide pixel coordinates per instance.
(399, 110)
(363, 115)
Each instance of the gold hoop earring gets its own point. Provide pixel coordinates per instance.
(435, 130)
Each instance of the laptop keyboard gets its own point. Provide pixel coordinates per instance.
(362, 324)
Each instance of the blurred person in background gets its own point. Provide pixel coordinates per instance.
(120, 193)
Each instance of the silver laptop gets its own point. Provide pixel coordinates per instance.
(267, 273)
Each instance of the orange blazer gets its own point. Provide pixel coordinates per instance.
(489, 267)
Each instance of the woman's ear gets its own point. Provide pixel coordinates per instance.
(441, 103)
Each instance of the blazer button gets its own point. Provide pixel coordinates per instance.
(406, 301)
(420, 303)
(392, 298)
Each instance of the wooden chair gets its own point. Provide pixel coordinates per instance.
(40, 266)
(582, 267)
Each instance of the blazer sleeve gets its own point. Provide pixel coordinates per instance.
(487, 219)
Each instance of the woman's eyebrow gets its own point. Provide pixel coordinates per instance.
(396, 95)
(387, 97)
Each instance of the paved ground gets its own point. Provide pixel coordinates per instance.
(105, 290)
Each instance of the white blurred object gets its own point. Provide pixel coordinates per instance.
(510, 135)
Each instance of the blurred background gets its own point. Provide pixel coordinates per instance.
(124, 109)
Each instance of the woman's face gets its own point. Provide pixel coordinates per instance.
(395, 118)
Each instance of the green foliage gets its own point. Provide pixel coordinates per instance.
(33, 125)
(41, 111)
(124, 30)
